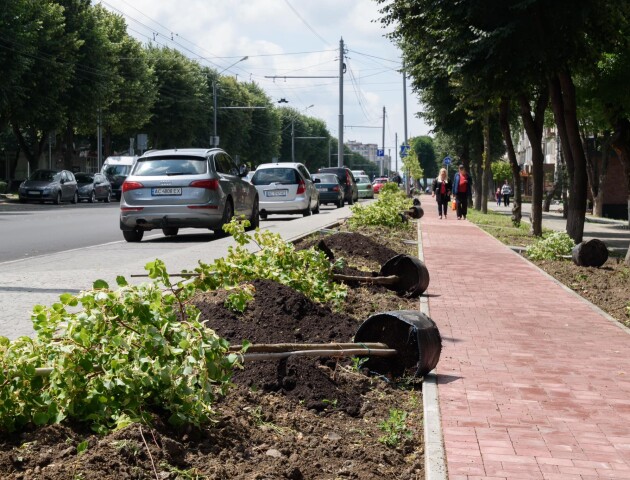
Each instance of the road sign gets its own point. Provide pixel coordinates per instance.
(404, 150)
(447, 161)
(380, 152)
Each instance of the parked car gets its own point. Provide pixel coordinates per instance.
(180, 188)
(365, 186)
(285, 188)
(93, 187)
(116, 170)
(356, 173)
(49, 185)
(378, 183)
(351, 192)
(330, 190)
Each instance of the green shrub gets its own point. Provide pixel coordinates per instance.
(551, 246)
(3, 186)
(385, 211)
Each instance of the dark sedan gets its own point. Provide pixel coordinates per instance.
(50, 185)
(93, 187)
(329, 188)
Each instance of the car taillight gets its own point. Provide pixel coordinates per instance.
(301, 187)
(128, 186)
(207, 184)
(335, 188)
(369, 187)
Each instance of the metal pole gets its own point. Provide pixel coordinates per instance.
(214, 101)
(340, 146)
(405, 122)
(99, 142)
(396, 150)
(383, 144)
(329, 141)
(292, 140)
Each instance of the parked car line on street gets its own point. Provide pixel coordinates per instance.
(330, 189)
(93, 187)
(285, 188)
(181, 188)
(49, 185)
(344, 174)
(365, 186)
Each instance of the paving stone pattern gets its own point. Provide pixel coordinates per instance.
(533, 382)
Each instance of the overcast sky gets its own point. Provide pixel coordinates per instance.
(292, 38)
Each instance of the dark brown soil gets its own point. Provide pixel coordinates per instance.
(300, 418)
(608, 286)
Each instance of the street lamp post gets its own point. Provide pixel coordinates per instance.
(215, 138)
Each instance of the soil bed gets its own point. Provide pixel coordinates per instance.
(300, 418)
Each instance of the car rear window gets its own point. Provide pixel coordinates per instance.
(169, 166)
(267, 176)
(83, 178)
(363, 179)
(328, 178)
(113, 170)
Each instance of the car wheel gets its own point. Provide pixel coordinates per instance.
(351, 201)
(133, 235)
(254, 221)
(307, 212)
(92, 198)
(316, 210)
(57, 199)
(228, 213)
(108, 197)
(170, 231)
(75, 198)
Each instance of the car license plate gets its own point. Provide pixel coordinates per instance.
(166, 191)
(276, 193)
(34, 192)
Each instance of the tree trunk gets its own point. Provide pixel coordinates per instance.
(579, 185)
(620, 141)
(534, 128)
(487, 160)
(33, 151)
(478, 177)
(504, 123)
(68, 151)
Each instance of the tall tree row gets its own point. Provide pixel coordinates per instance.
(475, 63)
(68, 66)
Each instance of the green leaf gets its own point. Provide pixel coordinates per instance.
(121, 281)
(100, 285)
(40, 418)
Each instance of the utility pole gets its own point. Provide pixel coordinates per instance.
(340, 146)
(405, 123)
(396, 150)
(383, 144)
(99, 142)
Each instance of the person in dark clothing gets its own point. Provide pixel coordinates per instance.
(462, 189)
(442, 192)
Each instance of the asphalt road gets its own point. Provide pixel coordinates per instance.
(47, 250)
(31, 230)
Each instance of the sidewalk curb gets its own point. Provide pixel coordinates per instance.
(434, 452)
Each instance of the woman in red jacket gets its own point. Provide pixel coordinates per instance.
(442, 192)
(462, 188)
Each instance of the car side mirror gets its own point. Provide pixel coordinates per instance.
(62, 181)
(243, 170)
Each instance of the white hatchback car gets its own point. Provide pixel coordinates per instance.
(285, 188)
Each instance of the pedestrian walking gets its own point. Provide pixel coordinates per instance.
(506, 191)
(462, 189)
(442, 192)
(498, 196)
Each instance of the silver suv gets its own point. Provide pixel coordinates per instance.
(180, 188)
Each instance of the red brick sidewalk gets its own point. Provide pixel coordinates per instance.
(533, 382)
